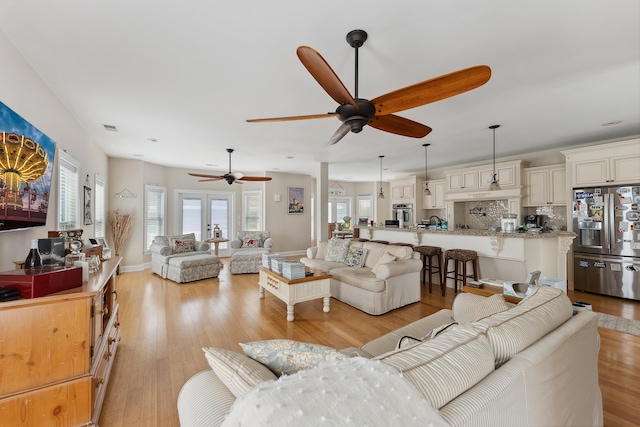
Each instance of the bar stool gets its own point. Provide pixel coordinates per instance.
(384, 242)
(460, 256)
(427, 253)
(359, 239)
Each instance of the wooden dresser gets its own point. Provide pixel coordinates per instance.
(56, 353)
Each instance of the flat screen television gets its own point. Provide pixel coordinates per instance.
(26, 168)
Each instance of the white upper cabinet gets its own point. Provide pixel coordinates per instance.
(545, 185)
(616, 163)
(436, 199)
(479, 178)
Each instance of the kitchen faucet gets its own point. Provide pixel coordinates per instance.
(438, 220)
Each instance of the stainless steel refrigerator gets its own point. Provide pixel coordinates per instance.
(607, 249)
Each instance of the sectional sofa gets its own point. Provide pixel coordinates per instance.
(373, 277)
(483, 363)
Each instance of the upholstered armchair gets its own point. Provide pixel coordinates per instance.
(164, 248)
(247, 250)
(252, 241)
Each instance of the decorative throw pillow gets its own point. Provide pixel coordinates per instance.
(285, 357)
(487, 307)
(179, 246)
(337, 250)
(237, 372)
(355, 257)
(385, 258)
(250, 242)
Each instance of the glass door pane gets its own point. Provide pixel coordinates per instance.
(192, 216)
(199, 212)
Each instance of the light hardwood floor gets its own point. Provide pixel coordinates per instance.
(165, 325)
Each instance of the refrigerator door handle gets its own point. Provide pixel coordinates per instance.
(609, 219)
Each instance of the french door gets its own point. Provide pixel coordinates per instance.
(198, 213)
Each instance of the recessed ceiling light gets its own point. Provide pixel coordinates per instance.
(276, 169)
(138, 155)
(152, 139)
(290, 157)
(615, 122)
(110, 128)
(211, 165)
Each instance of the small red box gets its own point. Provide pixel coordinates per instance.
(45, 281)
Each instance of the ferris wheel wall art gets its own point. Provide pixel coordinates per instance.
(26, 167)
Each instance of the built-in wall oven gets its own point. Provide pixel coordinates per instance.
(402, 212)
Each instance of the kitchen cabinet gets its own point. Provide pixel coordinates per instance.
(62, 348)
(616, 163)
(506, 176)
(462, 180)
(436, 200)
(479, 178)
(545, 185)
(403, 190)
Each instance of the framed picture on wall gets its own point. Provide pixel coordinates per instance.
(295, 200)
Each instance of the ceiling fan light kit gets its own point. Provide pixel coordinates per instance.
(426, 190)
(494, 186)
(355, 112)
(381, 192)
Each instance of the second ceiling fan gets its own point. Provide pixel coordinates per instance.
(230, 177)
(355, 112)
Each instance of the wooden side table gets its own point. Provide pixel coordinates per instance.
(216, 242)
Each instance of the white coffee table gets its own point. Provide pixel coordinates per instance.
(296, 290)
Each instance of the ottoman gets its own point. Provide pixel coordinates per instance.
(246, 261)
(193, 267)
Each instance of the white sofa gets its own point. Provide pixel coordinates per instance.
(534, 364)
(377, 287)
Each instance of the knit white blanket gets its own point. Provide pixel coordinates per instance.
(352, 392)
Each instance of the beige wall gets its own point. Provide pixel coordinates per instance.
(25, 93)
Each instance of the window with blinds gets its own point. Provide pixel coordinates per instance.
(252, 210)
(100, 215)
(155, 213)
(68, 186)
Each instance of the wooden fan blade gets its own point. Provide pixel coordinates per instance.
(256, 178)
(433, 90)
(201, 175)
(400, 126)
(324, 75)
(210, 179)
(339, 134)
(291, 118)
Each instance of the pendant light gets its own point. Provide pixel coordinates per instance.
(381, 192)
(426, 190)
(494, 186)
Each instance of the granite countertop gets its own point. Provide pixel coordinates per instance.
(470, 232)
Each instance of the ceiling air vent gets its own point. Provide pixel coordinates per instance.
(110, 128)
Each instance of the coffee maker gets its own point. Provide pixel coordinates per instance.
(534, 221)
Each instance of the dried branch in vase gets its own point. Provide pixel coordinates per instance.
(120, 222)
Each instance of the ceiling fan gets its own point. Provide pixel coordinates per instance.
(230, 177)
(355, 112)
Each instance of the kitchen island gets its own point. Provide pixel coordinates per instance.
(505, 256)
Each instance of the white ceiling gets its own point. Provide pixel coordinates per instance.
(189, 73)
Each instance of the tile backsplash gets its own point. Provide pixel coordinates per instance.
(481, 215)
